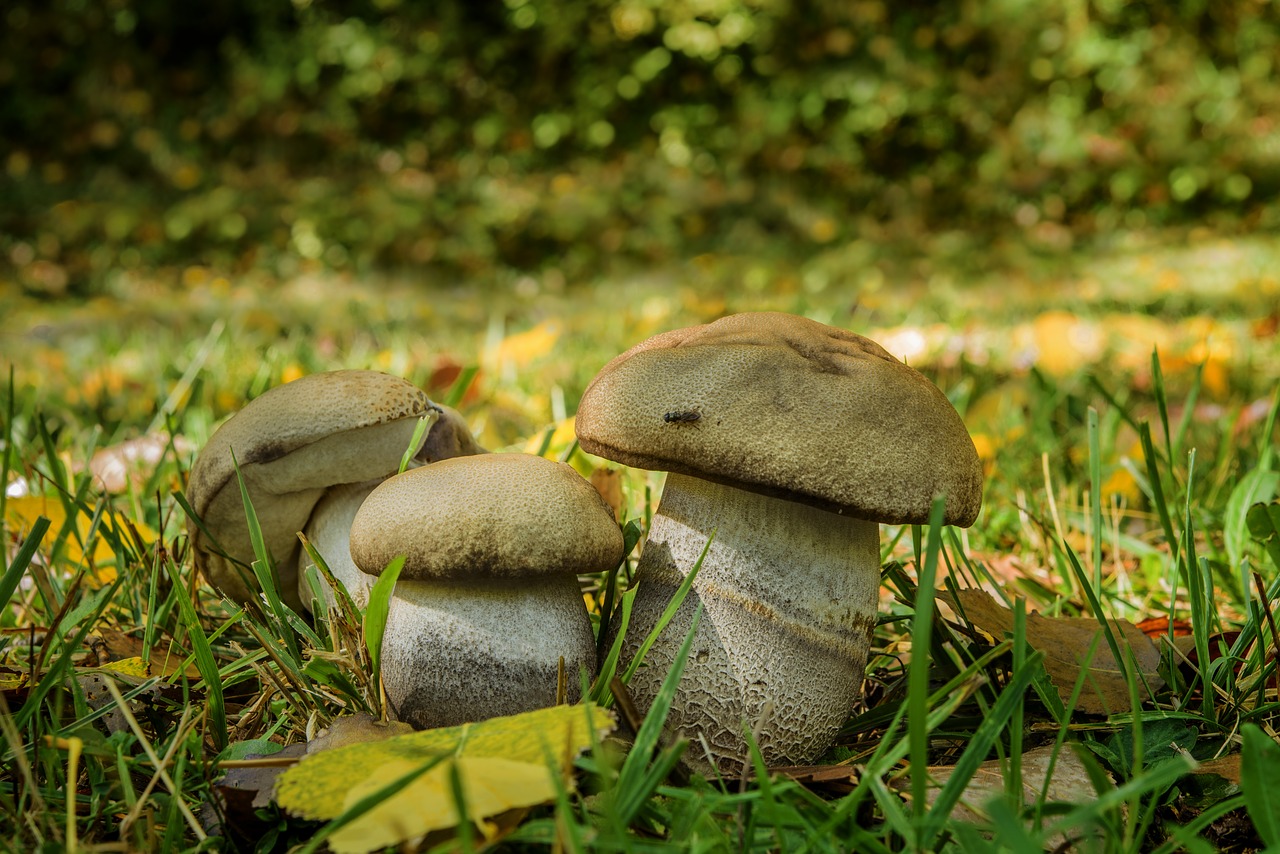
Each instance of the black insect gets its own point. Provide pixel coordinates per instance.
(683, 416)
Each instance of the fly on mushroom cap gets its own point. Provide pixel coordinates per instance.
(488, 600)
(292, 443)
(788, 407)
(808, 436)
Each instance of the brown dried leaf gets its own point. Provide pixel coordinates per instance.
(608, 482)
(1059, 773)
(354, 729)
(1227, 767)
(1066, 643)
(837, 779)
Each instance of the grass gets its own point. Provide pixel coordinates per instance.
(1122, 483)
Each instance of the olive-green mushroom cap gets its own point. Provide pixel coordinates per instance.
(487, 516)
(292, 443)
(783, 405)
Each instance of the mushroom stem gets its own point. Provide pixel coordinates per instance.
(789, 595)
(461, 651)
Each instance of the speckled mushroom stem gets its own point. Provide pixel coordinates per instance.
(460, 651)
(789, 596)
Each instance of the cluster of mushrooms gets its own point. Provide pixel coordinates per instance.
(786, 443)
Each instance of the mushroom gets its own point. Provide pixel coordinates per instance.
(789, 440)
(488, 601)
(293, 443)
(329, 528)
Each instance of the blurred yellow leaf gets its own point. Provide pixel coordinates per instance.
(1121, 480)
(503, 763)
(138, 668)
(10, 681)
(562, 437)
(292, 371)
(1064, 343)
(523, 347)
(24, 510)
(489, 785)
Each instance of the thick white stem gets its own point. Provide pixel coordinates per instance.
(789, 596)
(456, 651)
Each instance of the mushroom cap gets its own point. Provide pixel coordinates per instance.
(293, 442)
(486, 516)
(786, 406)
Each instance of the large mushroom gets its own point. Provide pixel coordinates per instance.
(488, 602)
(789, 440)
(294, 443)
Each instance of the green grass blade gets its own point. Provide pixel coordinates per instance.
(918, 672)
(1260, 783)
(1156, 485)
(14, 572)
(367, 803)
(420, 430)
(205, 661)
(459, 388)
(1095, 500)
(6, 456)
(670, 611)
(1162, 402)
(635, 783)
(600, 691)
(975, 753)
(375, 614)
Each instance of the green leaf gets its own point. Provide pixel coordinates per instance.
(375, 614)
(321, 786)
(1258, 486)
(1264, 526)
(1260, 783)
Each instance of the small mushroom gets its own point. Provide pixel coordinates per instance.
(488, 601)
(293, 443)
(806, 437)
(329, 528)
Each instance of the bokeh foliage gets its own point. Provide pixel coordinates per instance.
(536, 134)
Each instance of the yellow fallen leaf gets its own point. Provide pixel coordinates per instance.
(138, 668)
(320, 786)
(523, 347)
(489, 786)
(23, 511)
(562, 436)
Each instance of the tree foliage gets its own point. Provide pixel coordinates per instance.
(535, 133)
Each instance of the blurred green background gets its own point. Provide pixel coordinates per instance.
(578, 140)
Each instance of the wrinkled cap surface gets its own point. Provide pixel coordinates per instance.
(487, 516)
(293, 442)
(786, 406)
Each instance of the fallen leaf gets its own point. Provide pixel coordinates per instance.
(837, 779)
(136, 667)
(24, 510)
(608, 482)
(490, 786)
(522, 348)
(503, 760)
(1157, 627)
(356, 729)
(1066, 643)
(1227, 767)
(1057, 773)
(243, 791)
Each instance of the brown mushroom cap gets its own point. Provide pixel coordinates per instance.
(487, 516)
(292, 443)
(786, 406)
